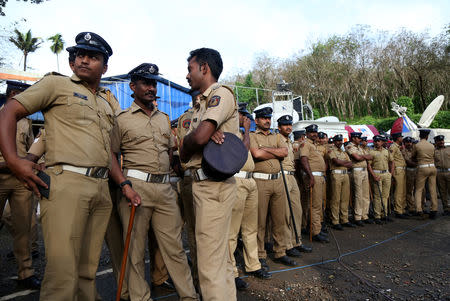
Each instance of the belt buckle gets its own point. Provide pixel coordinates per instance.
(97, 172)
(156, 178)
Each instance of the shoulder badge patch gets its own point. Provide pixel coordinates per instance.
(186, 123)
(214, 101)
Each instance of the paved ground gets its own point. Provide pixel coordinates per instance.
(402, 260)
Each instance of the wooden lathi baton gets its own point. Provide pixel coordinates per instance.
(125, 253)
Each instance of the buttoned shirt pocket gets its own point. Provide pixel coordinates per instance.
(80, 111)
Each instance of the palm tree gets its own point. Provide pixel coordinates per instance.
(26, 43)
(57, 46)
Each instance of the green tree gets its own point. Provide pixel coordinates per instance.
(3, 4)
(26, 43)
(57, 46)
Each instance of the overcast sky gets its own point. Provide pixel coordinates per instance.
(163, 32)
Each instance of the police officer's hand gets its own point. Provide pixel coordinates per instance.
(376, 178)
(132, 196)
(247, 123)
(24, 170)
(218, 137)
(311, 182)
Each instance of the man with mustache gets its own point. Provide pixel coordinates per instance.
(268, 149)
(79, 117)
(143, 136)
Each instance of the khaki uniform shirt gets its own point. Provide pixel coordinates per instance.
(184, 122)
(322, 148)
(381, 159)
(78, 123)
(397, 155)
(258, 140)
(315, 157)
(336, 153)
(423, 152)
(288, 162)
(407, 155)
(38, 146)
(442, 157)
(24, 137)
(143, 140)
(351, 149)
(249, 165)
(217, 104)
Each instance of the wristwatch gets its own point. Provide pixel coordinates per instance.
(126, 182)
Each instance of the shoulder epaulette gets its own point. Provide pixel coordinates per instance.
(54, 73)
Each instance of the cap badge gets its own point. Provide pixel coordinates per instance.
(151, 69)
(87, 36)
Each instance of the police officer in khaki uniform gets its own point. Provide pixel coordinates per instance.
(380, 168)
(340, 184)
(19, 197)
(442, 161)
(423, 152)
(78, 122)
(299, 139)
(294, 247)
(245, 211)
(268, 149)
(359, 178)
(214, 114)
(143, 136)
(313, 164)
(411, 170)
(399, 175)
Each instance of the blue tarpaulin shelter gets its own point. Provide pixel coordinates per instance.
(174, 99)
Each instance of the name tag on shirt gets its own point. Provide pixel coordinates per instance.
(80, 95)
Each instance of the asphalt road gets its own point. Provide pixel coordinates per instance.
(402, 260)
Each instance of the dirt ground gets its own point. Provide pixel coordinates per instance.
(402, 260)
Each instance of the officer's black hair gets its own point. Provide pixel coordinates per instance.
(209, 56)
(72, 56)
(9, 91)
(423, 134)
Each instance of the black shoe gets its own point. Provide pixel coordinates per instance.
(359, 223)
(240, 284)
(167, 285)
(320, 238)
(400, 216)
(433, 214)
(261, 274)
(446, 212)
(285, 260)
(378, 221)
(293, 253)
(337, 227)
(323, 234)
(264, 264)
(349, 225)
(421, 216)
(304, 249)
(31, 283)
(368, 221)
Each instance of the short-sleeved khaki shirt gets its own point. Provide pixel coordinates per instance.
(249, 165)
(381, 159)
(24, 137)
(351, 149)
(423, 152)
(397, 155)
(144, 141)
(38, 146)
(288, 162)
(442, 157)
(337, 153)
(259, 139)
(78, 123)
(216, 104)
(315, 156)
(407, 155)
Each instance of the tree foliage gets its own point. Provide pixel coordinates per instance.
(360, 73)
(26, 43)
(3, 5)
(57, 46)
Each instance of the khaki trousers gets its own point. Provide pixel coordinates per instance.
(272, 197)
(410, 187)
(400, 191)
(158, 269)
(20, 200)
(74, 223)
(158, 207)
(189, 218)
(424, 174)
(245, 219)
(360, 181)
(317, 203)
(213, 205)
(340, 189)
(294, 193)
(304, 198)
(381, 208)
(443, 181)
